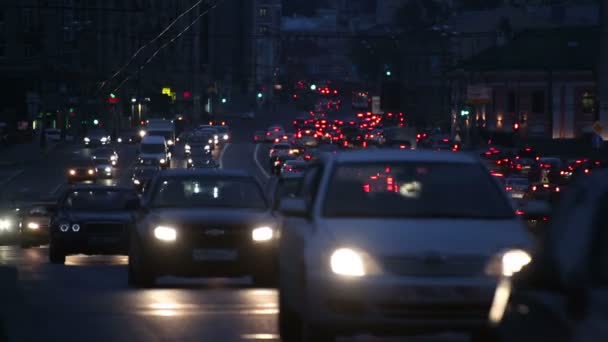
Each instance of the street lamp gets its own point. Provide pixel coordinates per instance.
(313, 87)
(133, 100)
(224, 100)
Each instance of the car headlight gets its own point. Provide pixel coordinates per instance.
(163, 160)
(72, 172)
(142, 133)
(169, 142)
(215, 137)
(207, 148)
(119, 140)
(86, 139)
(165, 233)
(104, 139)
(91, 171)
(76, 227)
(108, 169)
(187, 147)
(189, 160)
(210, 141)
(514, 260)
(33, 225)
(347, 262)
(64, 227)
(136, 181)
(113, 157)
(5, 224)
(261, 234)
(226, 137)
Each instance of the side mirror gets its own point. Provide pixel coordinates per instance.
(293, 207)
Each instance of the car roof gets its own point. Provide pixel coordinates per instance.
(153, 139)
(406, 156)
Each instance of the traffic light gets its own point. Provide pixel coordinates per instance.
(388, 73)
(260, 95)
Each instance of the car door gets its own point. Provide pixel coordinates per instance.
(295, 231)
(593, 326)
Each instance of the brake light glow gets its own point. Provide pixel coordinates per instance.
(545, 186)
(509, 188)
(586, 170)
(366, 188)
(534, 188)
(557, 189)
(519, 212)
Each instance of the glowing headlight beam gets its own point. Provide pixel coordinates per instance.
(347, 262)
(165, 233)
(261, 234)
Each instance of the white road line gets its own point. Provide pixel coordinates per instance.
(11, 178)
(222, 152)
(257, 161)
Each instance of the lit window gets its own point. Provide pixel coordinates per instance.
(263, 29)
(263, 12)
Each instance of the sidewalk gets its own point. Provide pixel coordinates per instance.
(25, 153)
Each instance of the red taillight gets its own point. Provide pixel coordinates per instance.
(527, 149)
(308, 157)
(562, 173)
(586, 170)
(519, 166)
(534, 188)
(346, 144)
(446, 140)
(373, 177)
(255, 137)
(545, 219)
(519, 212)
(295, 122)
(402, 147)
(557, 189)
(267, 134)
(364, 144)
(276, 140)
(508, 188)
(537, 158)
(545, 186)
(366, 188)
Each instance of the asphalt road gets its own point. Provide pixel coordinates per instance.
(88, 298)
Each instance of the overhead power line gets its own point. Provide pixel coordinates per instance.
(152, 41)
(141, 67)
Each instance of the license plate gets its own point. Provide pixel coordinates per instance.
(214, 254)
(517, 195)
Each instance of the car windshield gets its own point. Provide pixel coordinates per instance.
(101, 161)
(425, 190)
(152, 148)
(211, 192)
(97, 200)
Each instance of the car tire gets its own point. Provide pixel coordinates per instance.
(56, 255)
(140, 273)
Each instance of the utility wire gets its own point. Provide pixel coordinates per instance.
(141, 67)
(126, 65)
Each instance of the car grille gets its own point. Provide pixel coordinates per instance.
(431, 266)
(218, 235)
(105, 228)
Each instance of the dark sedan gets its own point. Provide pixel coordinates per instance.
(142, 175)
(203, 223)
(81, 170)
(92, 220)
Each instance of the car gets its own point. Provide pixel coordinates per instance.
(203, 223)
(212, 133)
(103, 168)
(523, 166)
(295, 166)
(224, 133)
(259, 136)
(561, 294)
(199, 144)
(388, 262)
(129, 136)
(202, 163)
(544, 192)
(92, 219)
(153, 151)
(106, 153)
(81, 170)
(35, 224)
(142, 175)
(279, 150)
(274, 132)
(517, 187)
(97, 137)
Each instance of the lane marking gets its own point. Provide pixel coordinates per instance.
(11, 178)
(257, 161)
(222, 153)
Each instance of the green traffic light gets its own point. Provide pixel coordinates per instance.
(112, 95)
(260, 95)
(388, 73)
(224, 100)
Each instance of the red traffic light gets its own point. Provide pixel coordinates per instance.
(516, 126)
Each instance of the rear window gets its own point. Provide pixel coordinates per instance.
(427, 190)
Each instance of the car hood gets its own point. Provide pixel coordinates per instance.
(412, 236)
(210, 216)
(89, 216)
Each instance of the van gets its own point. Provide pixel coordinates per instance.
(153, 150)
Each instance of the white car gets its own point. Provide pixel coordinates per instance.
(386, 241)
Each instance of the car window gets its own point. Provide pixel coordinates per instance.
(421, 189)
(96, 200)
(310, 183)
(212, 192)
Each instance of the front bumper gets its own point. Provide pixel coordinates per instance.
(393, 305)
(174, 258)
(86, 243)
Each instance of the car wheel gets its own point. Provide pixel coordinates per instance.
(140, 274)
(56, 255)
